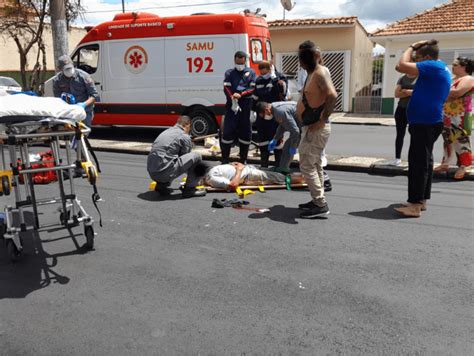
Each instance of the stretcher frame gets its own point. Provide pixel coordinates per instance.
(71, 212)
(256, 187)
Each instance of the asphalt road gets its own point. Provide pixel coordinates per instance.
(345, 140)
(178, 277)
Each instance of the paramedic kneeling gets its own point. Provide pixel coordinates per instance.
(74, 81)
(171, 156)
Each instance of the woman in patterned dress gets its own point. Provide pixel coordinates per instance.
(456, 113)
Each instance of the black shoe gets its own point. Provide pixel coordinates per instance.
(193, 192)
(307, 206)
(163, 189)
(315, 212)
(327, 185)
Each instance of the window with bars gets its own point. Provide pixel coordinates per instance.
(334, 61)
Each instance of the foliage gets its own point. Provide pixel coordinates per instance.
(24, 21)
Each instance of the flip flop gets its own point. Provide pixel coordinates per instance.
(460, 173)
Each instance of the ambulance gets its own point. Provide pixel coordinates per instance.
(150, 69)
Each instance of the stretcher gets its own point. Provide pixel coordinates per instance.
(28, 122)
(258, 187)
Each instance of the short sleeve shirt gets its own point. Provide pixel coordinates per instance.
(429, 94)
(405, 82)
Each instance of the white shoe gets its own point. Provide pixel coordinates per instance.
(324, 161)
(395, 162)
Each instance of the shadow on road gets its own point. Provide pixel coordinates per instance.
(279, 213)
(34, 270)
(130, 134)
(154, 196)
(381, 213)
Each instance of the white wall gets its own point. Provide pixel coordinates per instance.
(459, 42)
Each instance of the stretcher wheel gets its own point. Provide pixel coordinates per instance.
(64, 218)
(89, 233)
(5, 185)
(12, 251)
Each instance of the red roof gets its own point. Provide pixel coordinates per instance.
(455, 16)
(347, 20)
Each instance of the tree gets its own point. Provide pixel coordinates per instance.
(24, 21)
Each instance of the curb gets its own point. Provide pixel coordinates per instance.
(356, 164)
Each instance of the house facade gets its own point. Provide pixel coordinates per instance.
(10, 59)
(452, 24)
(345, 45)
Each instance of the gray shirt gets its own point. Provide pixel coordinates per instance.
(167, 148)
(81, 85)
(405, 83)
(284, 112)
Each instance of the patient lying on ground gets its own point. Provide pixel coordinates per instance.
(230, 176)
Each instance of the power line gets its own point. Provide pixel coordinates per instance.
(169, 7)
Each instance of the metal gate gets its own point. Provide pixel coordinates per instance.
(369, 98)
(338, 63)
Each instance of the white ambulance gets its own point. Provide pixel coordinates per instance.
(149, 69)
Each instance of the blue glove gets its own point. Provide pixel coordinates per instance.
(292, 151)
(82, 105)
(272, 145)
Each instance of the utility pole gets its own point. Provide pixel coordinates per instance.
(59, 28)
(123, 6)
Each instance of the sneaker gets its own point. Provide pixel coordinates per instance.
(163, 189)
(395, 162)
(327, 185)
(307, 206)
(193, 192)
(315, 212)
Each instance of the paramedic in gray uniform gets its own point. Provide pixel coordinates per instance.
(171, 156)
(74, 81)
(284, 113)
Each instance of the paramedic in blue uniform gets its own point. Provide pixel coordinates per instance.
(239, 85)
(71, 80)
(269, 88)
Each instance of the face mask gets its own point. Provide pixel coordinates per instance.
(240, 67)
(68, 72)
(268, 117)
(266, 76)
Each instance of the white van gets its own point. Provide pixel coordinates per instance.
(149, 70)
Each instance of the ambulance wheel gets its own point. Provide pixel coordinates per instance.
(5, 185)
(89, 233)
(203, 123)
(12, 251)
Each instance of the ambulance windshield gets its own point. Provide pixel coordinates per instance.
(87, 58)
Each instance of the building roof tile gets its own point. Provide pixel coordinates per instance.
(455, 16)
(347, 20)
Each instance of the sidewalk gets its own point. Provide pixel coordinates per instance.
(371, 165)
